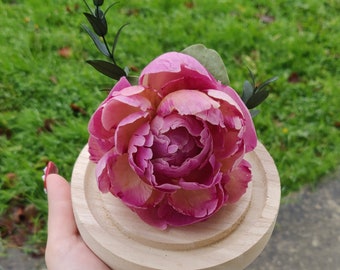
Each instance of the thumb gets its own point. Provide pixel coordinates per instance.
(61, 223)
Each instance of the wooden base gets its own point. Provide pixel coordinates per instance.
(231, 239)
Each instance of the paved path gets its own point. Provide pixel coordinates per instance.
(306, 236)
(17, 260)
(307, 232)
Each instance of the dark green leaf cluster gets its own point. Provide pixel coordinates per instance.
(254, 95)
(98, 23)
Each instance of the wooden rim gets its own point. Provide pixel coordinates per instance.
(233, 237)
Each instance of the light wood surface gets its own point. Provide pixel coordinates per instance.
(231, 239)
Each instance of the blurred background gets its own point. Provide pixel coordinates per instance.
(48, 92)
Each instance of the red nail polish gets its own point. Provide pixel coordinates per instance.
(50, 168)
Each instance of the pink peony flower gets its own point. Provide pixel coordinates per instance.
(172, 147)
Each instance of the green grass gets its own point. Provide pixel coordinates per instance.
(299, 123)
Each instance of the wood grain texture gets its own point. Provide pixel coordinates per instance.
(231, 239)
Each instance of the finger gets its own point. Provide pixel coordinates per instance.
(61, 223)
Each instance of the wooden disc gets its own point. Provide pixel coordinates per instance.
(231, 239)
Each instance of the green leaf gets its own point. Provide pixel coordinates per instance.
(99, 14)
(252, 76)
(98, 24)
(248, 91)
(252, 95)
(127, 71)
(133, 80)
(267, 82)
(110, 6)
(111, 70)
(257, 99)
(254, 112)
(100, 45)
(116, 39)
(211, 60)
(87, 5)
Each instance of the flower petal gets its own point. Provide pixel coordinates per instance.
(196, 203)
(140, 152)
(103, 173)
(237, 181)
(126, 128)
(205, 176)
(231, 112)
(121, 84)
(249, 136)
(178, 101)
(95, 126)
(170, 67)
(226, 142)
(174, 218)
(126, 184)
(230, 162)
(163, 215)
(151, 217)
(122, 105)
(181, 149)
(98, 147)
(188, 81)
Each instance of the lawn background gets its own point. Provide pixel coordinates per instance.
(48, 92)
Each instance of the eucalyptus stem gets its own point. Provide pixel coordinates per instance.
(88, 7)
(107, 47)
(98, 35)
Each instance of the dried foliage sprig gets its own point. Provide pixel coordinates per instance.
(97, 19)
(253, 94)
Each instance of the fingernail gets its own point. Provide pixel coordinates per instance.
(50, 168)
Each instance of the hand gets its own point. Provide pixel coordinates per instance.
(65, 248)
